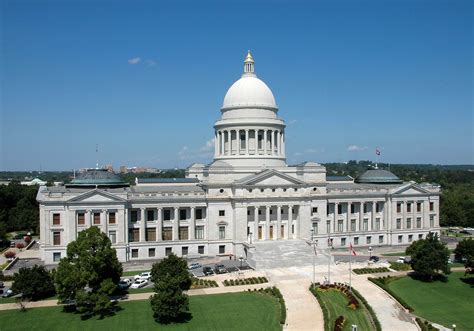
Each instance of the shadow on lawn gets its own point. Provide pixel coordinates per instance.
(468, 280)
(437, 278)
(184, 317)
(100, 315)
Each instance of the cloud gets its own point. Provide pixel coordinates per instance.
(134, 60)
(292, 122)
(355, 148)
(208, 147)
(150, 63)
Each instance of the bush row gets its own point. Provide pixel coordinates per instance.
(203, 283)
(399, 266)
(362, 271)
(274, 292)
(245, 281)
(425, 326)
(383, 283)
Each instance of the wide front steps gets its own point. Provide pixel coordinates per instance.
(283, 254)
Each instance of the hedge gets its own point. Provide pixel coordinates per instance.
(383, 283)
(245, 281)
(425, 326)
(361, 271)
(275, 292)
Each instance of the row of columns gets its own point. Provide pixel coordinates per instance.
(273, 142)
(267, 224)
(346, 227)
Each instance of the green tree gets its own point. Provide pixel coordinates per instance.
(465, 251)
(171, 278)
(34, 283)
(429, 257)
(89, 273)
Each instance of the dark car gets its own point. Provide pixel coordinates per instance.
(220, 269)
(207, 271)
(374, 258)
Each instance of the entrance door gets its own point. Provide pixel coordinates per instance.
(260, 232)
(271, 232)
(282, 231)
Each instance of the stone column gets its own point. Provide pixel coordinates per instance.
(159, 226)
(272, 140)
(125, 225)
(282, 143)
(247, 142)
(229, 142)
(361, 216)
(265, 142)
(403, 222)
(372, 222)
(290, 222)
(88, 218)
(267, 222)
(142, 225)
(237, 138)
(278, 232)
(255, 223)
(216, 144)
(222, 142)
(192, 223)
(103, 221)
(278, 143)
(175, 235)
(336, 209)
(349, 220)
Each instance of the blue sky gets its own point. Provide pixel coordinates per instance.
(146, 79)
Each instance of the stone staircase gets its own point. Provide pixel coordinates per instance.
(283, 254)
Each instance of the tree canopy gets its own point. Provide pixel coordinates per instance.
(465, 251)
(429, 257)
(89, 272)
(34, 283)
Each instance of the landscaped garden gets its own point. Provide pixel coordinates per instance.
(446, 303)
(245, 281)
(343, 308)
(230, 311)
(362, 271)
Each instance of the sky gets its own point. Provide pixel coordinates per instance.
(145, 80)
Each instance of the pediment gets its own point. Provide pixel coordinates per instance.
(270, 178)
(96, 196)
(411, 190)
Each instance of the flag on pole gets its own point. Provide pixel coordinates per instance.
(353, 252)
(377, 151)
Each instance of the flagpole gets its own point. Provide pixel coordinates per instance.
(350, 266)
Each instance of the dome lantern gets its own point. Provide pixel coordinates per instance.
(249, 65)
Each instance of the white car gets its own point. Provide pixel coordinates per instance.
(143, 275)
(401, 259)
(195, 265)
(139, 283)
(125, 283)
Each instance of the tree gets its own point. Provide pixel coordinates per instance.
(465, 251)
(34, 283)
(89, 273)
(171, 278)
(9, 254)
(429, 257)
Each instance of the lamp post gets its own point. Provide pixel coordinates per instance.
(370, 252)
(314, 256)
(454, 327)
(251, 237)
(127, 252)
(329, 256)
(241, 258)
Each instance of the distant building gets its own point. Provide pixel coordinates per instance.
(248, 194)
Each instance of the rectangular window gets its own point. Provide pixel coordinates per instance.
(420, 236)
(353, 209)
(340, 226)
(183, 233)
(199, 213)
(57, 256)
(339, 209)
(81, 219)
(399, 223)
(369, 240)
(343, 241)
(315, 228)
(400, 239)
(111, 217)
(151, 252)
(409, 207)
(432, 221)
(377, 224)
(431, 206)
(133, 235)
(328, 226)
(199, 232)
(56, 219)
(315, 210)
(418, 207)
(399, 207)
(56, 238)
(377, 207)
(134, 216)
(113, 236)
(182, 214)
(408, 223)
(168, 251)
(366, 224)
(200, 249)
(365, 207)
(167, 233)
(242, 141)
(353, 225)
(380, 239)
(184, 250)
(166, 215)
(356, 241)
(221, 249)
(150, 215)
(134, 253)
(418, 222)
(222, 212)
(327, 209)
(96, 218)
(221, 232)
(150, 234)
(410, 238)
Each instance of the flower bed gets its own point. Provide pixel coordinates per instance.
(362, 271)
(245, 281)
(203, 283)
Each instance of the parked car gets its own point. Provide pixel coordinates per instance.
(7, 293)
(220, 269)
(12, 244)
(124, 283)
(207, 271)
(195, 265)
(139, 283)
(401, 259)
(143, 275)
(374, 258)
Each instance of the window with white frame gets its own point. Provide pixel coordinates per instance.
(199, 232)
(222, 232)
(113, 236)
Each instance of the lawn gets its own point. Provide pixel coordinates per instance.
(336, 304)
(446, 303)
(230, 311)
(132, 273)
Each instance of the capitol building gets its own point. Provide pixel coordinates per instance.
(248, 196)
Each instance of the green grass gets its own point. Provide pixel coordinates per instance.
(394, 254)
(132, 273)
(444, 303)
(336, 304)
(230, 311)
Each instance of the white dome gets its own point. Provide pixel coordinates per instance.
(249, 91)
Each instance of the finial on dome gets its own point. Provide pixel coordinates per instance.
(249, 64)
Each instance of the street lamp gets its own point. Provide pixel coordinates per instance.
(314, 256)
(127, 252)
(370, 252)
(241, 258)
(454, 327)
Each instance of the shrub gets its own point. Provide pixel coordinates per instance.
(339, 323)
(399, 266)
(35, 283)
(9, 254)
(27, 239)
